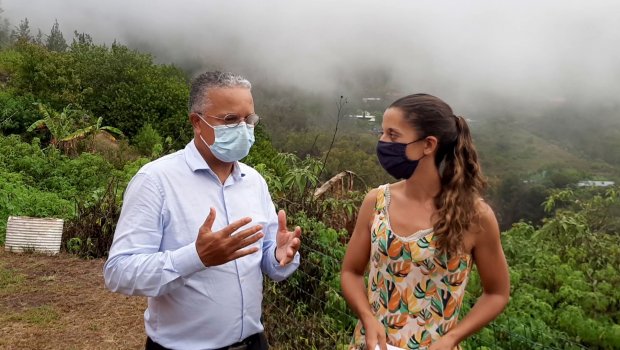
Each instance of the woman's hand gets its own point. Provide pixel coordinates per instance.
(444, 343)
(375, 334)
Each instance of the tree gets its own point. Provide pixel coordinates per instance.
(55, 41)
(122, 86)
(21, 33)
(39, 38)
(81, 39)
(5, 35)
(127, 89)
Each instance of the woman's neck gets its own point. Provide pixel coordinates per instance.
(424, 184)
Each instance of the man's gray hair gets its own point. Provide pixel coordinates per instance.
(201, 84)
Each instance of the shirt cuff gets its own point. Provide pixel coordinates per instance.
(186, 261)
(287, 269)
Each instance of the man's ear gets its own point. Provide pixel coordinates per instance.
(194, 120)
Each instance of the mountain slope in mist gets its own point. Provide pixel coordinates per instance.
(522, 147)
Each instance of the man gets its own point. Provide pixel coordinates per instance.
(198, 229)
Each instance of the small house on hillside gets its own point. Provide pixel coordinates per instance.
(595, 183)
(364, 116)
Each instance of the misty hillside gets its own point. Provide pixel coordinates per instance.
(508, 143)
(590, 132)
(523, 147)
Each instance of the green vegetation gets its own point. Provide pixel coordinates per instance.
(564, 275)
(77, 121)
(40, 315)
(121, 86)
(9, 280)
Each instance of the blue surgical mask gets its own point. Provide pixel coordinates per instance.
(393, 158)
(231, 143)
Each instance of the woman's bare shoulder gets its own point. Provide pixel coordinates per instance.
(485, 220)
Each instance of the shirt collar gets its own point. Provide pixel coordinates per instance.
(196, 162)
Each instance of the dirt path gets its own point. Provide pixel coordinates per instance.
(60, 303)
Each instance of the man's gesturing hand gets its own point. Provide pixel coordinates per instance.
(217, 248)
(287, 242)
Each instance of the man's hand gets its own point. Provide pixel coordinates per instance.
(217, 248)
(287, 242)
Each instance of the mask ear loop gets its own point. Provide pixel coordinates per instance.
(206, 122)
(200, 134)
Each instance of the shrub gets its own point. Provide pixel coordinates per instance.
(90, 233)
(148, 141)
(19, 199)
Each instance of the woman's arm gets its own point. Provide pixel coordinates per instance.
(493, 270)
(353, 269)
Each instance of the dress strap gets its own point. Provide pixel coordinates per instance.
(383, 197)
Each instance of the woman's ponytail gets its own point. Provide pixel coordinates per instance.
(462, 184)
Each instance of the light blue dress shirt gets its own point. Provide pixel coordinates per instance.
(191, 306)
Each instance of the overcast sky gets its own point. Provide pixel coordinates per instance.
(460, 50)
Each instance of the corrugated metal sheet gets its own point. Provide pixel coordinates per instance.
(33, 234)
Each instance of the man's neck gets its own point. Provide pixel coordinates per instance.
(221, 169)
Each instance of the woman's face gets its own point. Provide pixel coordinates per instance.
(397, 129)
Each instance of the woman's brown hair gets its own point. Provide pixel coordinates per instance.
(462, 182)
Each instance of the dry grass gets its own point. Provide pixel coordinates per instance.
(60, 302)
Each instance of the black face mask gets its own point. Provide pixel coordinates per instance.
(394, 160)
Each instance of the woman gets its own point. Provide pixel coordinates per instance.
(422, 235)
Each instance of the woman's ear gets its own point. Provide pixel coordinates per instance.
(430, 145)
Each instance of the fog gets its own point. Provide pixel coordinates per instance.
(471, 53)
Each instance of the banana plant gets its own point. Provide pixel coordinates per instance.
(94, 130)
(59, 124)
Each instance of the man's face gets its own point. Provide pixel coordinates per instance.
(222, 101)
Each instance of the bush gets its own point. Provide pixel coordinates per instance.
(90, 233)
(51, 171)
(17, 113)
(308, 311)
(564, 278)
(148, 141)
(19, 199)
